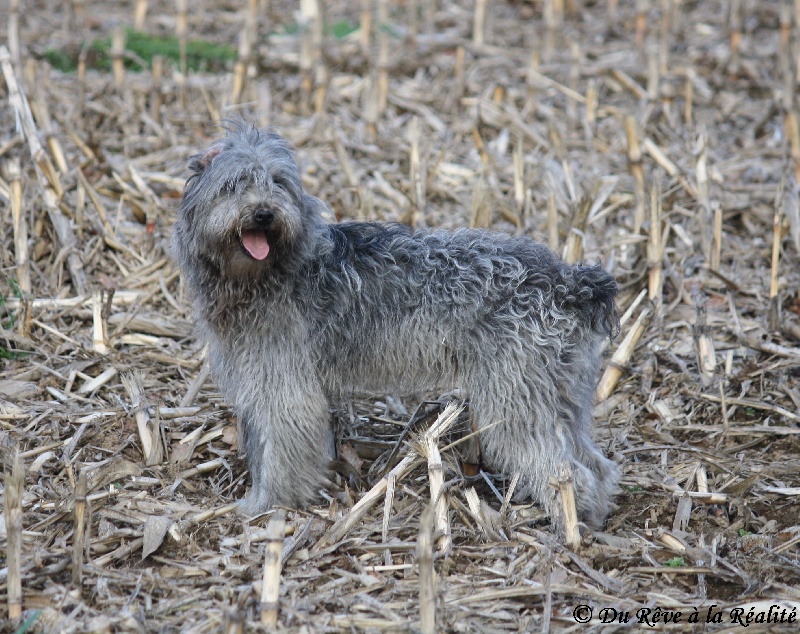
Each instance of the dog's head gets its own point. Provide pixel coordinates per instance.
(244, 210)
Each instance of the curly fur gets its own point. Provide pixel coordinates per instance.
(335, 309)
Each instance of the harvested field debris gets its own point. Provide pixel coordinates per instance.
(659, 138)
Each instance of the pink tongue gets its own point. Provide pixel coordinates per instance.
(255, 242)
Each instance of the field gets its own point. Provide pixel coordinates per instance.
(658, 138)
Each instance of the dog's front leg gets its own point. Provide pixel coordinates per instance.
(284, 420)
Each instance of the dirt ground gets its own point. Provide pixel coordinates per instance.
(658, 138)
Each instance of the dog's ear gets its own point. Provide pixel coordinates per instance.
(200, 162)
(315, 207)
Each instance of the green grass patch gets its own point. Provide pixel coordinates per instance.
(141, 48)
(61, 60)
(342, 29)
(201, 55)
(29, 622)
(12, 355)
(9, 323)
(339, 30)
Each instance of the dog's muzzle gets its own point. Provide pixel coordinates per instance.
(254, 241)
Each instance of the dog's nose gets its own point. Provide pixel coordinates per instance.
(264, 217)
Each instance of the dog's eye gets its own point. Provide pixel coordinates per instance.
(236, 181)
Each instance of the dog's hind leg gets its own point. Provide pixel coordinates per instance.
(535, 434)
(576, 397)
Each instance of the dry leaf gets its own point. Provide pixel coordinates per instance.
(155, 528)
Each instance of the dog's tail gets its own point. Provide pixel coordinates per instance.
(590, 291)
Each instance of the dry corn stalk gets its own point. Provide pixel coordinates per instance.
(41, 113)
(655, 247)
(458, 79)
(774, 313)
(23, 273)
(793, 132)
(417, 173)
(273, 556)
(180, 33)
(365, 32)
(776, 253)
(196, 385)
(552, 222)
(701, 170)
(481, 205)
(660, 157)
(664, 42)
(155, 90)
(735, 26)
(533, 74)
(701, 476)
(320, 86)
(99, 333)
(479, 23)
(564, 483)
(489, 520)
(688, 97)
(387, 509)
(519, 175)
(99, 381)
(310, 46)
(590, 203)
(573, 251)
(411, 460)
(653, 71)
(45, 172)
(148, 433)
(630, 83)
(118, 57)
(13, 31)
(241, 66)
(623, 354)
(371, 108)
(24, 117)
(139, 14)
(429, 448)
(706, 356)
(642, 7)
(635, 164)
(383, 55)
(553, 15)
(592, 103)
(716, 239)
(78, 537)
(574, 77)
(14, 482)
(683, 513)
(427, 575)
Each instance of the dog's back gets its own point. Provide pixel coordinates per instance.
(495, 268)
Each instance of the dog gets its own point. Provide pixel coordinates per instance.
(299, 314)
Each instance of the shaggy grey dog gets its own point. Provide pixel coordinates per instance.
(299, 314)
